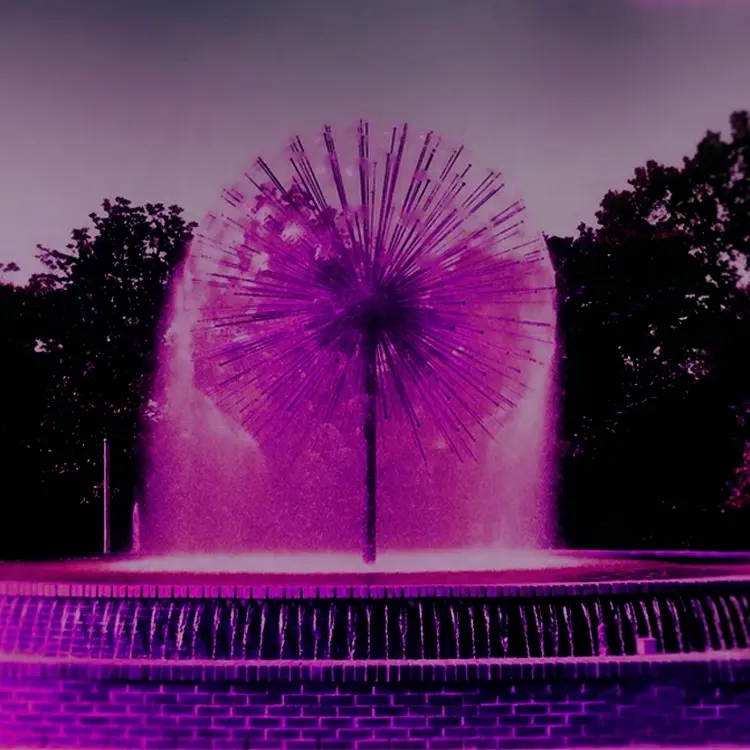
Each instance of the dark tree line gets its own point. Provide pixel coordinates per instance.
(80, 351)
(654, 328)
(654, 315)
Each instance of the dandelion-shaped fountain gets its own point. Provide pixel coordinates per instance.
(403, 290)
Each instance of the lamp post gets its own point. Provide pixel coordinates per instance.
(105, 493)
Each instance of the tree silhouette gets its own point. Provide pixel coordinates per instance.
(25, 381)
(652, 315)
(98, 308)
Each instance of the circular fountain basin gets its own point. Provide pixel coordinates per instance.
(474, 567)
(476, 604)
(241, 650)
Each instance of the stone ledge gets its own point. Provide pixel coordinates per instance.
(200, 591)
(723, 668)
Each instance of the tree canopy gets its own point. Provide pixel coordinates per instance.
(655, 321)
(89, 334)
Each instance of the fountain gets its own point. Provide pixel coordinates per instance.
(350, 336)
(358, 365)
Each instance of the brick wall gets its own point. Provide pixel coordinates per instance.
(515, 705)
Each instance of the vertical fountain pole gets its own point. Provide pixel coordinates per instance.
(105, 486)
(369, 550)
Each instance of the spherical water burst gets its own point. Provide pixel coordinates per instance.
(379, 292)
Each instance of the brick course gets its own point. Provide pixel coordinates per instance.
(552, 704)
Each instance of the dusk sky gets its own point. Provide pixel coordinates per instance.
(168, 100)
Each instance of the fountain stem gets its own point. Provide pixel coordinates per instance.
(370, 433)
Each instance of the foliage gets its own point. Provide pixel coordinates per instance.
(656, 328)
(97, 313)
(25, 380)
(740, 486)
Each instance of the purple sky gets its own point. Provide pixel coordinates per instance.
(137, 98)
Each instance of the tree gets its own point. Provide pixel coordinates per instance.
(656, 367)
(24, 379)
(740, 492)
(100, 304)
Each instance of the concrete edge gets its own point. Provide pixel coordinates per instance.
(161, 591)
(719, 668)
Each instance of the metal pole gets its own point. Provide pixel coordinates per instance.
(106, 496)
(369, 541)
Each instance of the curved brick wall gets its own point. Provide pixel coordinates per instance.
(509, 704)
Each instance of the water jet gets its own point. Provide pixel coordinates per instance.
(375, 313)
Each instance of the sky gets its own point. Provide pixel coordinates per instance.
(170, 100)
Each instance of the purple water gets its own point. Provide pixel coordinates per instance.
(232, 469)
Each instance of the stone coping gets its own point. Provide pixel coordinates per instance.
(167, 591)
(711, 667)
(662, 554)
